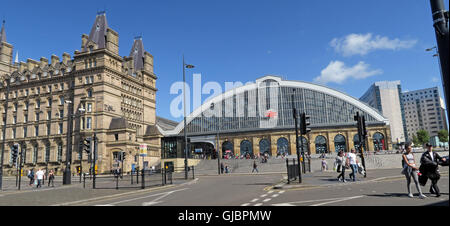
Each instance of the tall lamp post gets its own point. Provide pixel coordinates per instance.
(67, 177)
(440, 23)
(184, 106)
(8, 80)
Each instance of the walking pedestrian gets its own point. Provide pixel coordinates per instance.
(429, 167)
(411, 170)
(51, 178)
(40, 177)
(255, 167)
(324, 164)
(352, 161)
(340, 166)
(31, 177)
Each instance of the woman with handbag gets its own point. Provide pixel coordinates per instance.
(340, 166)
(411, 170)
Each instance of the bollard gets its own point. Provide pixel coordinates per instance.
(287, 169)
(143, 179)
(137, 176)
(131, 177)
(117, 182)
(193, 174)
(84, 180)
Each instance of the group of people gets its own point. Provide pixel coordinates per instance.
(429, 169)
(224, 168)
(38, 178)
(346, 161)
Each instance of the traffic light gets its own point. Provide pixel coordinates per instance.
(15, 152)
(304, 123)
(363, 126)
(87, 145)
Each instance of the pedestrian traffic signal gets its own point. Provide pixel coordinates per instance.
(304, 123)
(15, 152)
(87, 145)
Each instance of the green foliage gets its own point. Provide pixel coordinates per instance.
(443, 135)
(423, 136)
(415, 140)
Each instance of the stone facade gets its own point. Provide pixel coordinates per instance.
(113, 97)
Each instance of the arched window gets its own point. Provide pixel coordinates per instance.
(321, 145)
(378, 141)
(264, 147)
(283, 146)
(305, 143)
(340, 143)
(227, 148)
(246, 148)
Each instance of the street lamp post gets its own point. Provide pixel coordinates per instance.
(8, 80)
(184, 106)
(67, 177)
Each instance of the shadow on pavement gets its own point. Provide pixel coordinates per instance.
(443, 203)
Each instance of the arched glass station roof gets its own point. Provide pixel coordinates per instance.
(267, 104)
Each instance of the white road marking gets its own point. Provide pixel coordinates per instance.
(270, 192)
(254, 200)
(149, 203)
(339, 200)
(275, 195)
(258, 204)
(280, 192)
(331, 200)
(262, 196)
(104, 205)
(164, 194)
(245, 204)
(266, 200)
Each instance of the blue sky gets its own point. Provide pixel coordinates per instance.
(236, 40)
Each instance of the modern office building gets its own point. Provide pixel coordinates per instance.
(424, 109)
(112, 96)
(386, 97)
(258, 119)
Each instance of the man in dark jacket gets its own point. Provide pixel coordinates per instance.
(429, 164)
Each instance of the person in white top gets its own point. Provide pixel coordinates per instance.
(40, 177)
(410, 169)
(352, 161)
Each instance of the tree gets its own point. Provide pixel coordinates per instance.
(443, 135)
(415, 140)
(423, 136)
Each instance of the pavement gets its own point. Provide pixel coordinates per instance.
(329, 178)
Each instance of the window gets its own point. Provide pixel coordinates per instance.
(14, 133)
(89, 123)
(116, 136)
(82, 123)
(49, 102)
(15, 106)
(26, 105)
(48, 129)
(89, 107)
(14, 119)
(47, 152)
(61, 113)
(37, 116)
(25, 118)
(38, 103)
(35, 154)
(26, 92)
(61, 100)
(49, 88)
(61, 86)
(89, 93)
(38, 90)
(86, 81)
(36, 131)
(25, 130)
(59, 152)
(60, 129)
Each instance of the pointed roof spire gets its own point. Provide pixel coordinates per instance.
(2, 33)
(137, 53)
(98, 30)
(17, 58)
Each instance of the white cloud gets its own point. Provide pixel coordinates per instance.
(337, 72)
(361, 44)
(435, 79)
